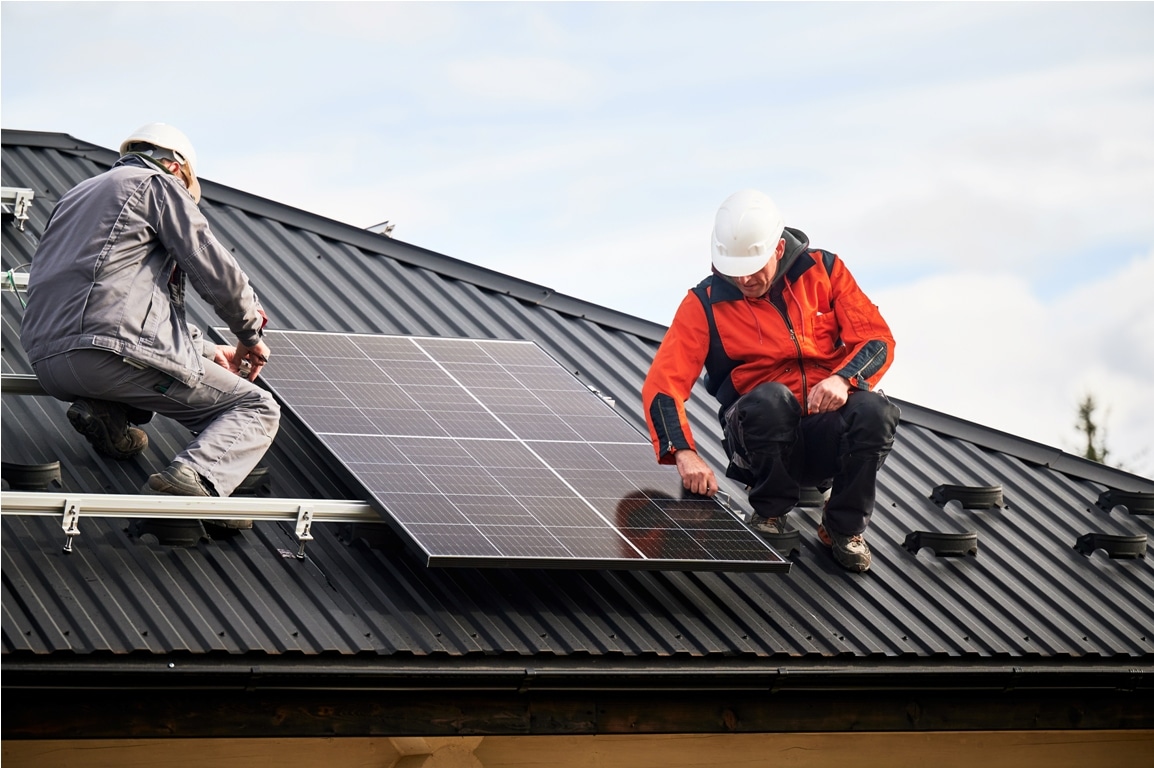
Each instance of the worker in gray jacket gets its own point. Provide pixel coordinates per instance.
(105, 325)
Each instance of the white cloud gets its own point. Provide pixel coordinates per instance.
(983, 347)
(523, 81)
(406, 25)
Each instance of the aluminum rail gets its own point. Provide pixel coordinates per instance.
(183, 507)
(70, 506)
(14, 281)
(21, 384)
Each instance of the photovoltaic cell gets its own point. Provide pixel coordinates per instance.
(488, 453)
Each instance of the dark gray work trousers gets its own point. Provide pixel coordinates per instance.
(776, 450)
(233, 420)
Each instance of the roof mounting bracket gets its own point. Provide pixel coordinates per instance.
(1125, 547)
(16, 202)
(31, 477)
(813, 496)
(1136, 502)
(785, 544)
(943, 544)
(70, 523)
(304, 528)
(969, 496)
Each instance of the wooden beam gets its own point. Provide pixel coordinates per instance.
(989, 749)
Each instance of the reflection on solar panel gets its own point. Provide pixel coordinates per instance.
(488, 453)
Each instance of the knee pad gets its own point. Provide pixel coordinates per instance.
(772, 399)
(873, 413)
(769, 410)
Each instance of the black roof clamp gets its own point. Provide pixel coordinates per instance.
(969, 496)
(1137, 502)
(812, 496)
(785, 544)
(943, 544)
(32, 477)
(1124, 547)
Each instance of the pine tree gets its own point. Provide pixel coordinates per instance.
(1096, 449)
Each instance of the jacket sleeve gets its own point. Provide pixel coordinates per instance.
(863, 330)
(212, 270)
(671, 377)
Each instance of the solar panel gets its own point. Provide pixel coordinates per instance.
(489, 453)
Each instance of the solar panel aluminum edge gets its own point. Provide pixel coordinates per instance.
(488, 453)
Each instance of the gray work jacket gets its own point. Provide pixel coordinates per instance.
(109, 273)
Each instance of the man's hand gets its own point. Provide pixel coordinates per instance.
(696, 475)
(256, 357)
(828, 395)
(222, 356)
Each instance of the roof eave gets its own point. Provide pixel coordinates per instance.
(318, 699)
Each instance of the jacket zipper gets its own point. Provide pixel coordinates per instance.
(797, 349)
(867, 364)
(668, 434)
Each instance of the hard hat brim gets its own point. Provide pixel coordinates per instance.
(740, 266)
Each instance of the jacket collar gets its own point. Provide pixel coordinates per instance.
(140, 161)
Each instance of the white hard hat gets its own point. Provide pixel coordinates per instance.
(746, 232)
(165, 136)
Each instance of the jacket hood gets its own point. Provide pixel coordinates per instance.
(796, 243)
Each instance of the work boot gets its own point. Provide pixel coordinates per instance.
(772, 526)
(850, 551)
(105, 425)
(178, 480)
(181, 480)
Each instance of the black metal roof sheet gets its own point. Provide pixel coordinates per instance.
(1027, 594)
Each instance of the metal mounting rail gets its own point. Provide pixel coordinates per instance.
(69, 506)
(21, 384)
(14, 281)
(184, 507)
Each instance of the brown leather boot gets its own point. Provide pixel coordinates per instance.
(105, 425)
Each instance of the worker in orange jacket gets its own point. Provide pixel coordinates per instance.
(793, 350)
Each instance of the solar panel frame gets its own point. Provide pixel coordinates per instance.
(489, 453)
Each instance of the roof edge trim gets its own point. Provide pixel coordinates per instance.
(1127, 674)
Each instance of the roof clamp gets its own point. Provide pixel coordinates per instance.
(69, 524)
(969, 496)
(17, 202)
(304, 528)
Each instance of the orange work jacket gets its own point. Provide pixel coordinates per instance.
(814, 322)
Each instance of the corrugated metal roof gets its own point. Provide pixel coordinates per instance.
(1026, 595)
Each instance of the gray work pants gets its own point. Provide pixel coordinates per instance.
(234, 420)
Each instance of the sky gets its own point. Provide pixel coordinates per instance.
(985, 169)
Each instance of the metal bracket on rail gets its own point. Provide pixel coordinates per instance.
(69, 524)
(304, 528)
